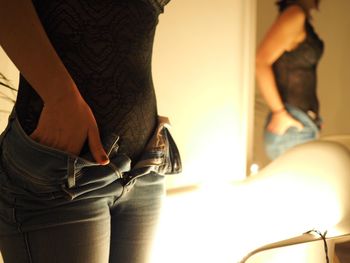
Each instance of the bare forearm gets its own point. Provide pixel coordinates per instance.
(26, 43)
(268, 88)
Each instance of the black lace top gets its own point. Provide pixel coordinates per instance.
(295, 72)
(106, 45)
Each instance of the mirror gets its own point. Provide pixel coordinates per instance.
(331, 23)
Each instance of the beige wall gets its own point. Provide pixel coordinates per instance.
(332, 23)
(198, 71)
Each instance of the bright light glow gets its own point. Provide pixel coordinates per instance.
(254, 169)
(222, 222)
(195, 228)
(214, 149)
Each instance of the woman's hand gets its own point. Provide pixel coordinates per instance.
(67, 125)
(66, 121)
(281, 121)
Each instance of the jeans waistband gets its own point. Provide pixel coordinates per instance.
(53, 168)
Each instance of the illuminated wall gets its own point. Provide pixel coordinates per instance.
(200, 58)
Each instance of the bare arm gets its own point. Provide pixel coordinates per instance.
(66, 120)
(25, 41)
(286, 32)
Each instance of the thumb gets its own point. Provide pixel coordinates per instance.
(96, 147)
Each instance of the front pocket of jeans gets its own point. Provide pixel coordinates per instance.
(37, 163)
(26, 183)
(27, 161)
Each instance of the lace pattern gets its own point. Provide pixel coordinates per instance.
(296, 72)
(107, 48)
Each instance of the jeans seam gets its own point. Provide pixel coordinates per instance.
(35, 146)
(25, 236)
(117, 198)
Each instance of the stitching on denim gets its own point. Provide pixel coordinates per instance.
(37, 146)
(49, 151)
(117, 198)
(116, 170)
(27, 247)
(14, 215)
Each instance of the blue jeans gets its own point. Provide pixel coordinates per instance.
(56, 207)
(275, 145)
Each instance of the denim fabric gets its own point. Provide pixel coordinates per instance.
(275, 145)
(57, 207)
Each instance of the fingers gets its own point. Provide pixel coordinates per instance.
(96, 147)
(41, 137)
(69, 134)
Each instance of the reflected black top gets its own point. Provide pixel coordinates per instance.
(295, 72)
(106, 46)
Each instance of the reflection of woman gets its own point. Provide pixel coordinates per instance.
(86, 107)
(286, 65)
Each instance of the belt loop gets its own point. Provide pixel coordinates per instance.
(71, 171)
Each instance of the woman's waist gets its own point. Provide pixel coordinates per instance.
(309, 112)
(133, 124)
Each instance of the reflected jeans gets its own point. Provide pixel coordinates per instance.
(275, 145)
(59, 208)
